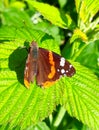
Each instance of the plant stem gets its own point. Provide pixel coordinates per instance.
(59, 117)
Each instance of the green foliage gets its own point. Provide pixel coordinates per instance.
(58, 18)
(24, 109)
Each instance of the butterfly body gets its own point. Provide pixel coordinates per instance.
(46, 66)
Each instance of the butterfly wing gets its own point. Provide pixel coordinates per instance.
(31, 65)
(51, 67)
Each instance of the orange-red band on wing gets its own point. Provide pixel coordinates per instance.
(27, 84)
(52, 73)
(47, 84)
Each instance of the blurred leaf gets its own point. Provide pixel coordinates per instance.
(16, 21)
(77, 3)
(93, 30)
(25, 33)
(1, 6)
(15, 17)
(87, 9)
(89, 57)
(62, 3)
(17, 4)
(88, 18)
(58, 18)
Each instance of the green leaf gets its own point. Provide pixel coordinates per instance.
(83, 97)
(25, 103)
(52, 14)
(78, 94)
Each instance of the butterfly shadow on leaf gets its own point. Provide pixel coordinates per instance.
(17, 63)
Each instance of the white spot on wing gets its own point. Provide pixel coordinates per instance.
(57, 70)
(26, 68)
(70, 66)
(62, 61)
(62, 71)
(66, 71)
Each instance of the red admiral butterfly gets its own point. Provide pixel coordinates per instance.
(46, 66)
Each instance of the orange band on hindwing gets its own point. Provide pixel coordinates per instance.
(47, 84)
(27, 84)
(51, 61)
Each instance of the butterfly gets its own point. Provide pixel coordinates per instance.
(46, 66)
